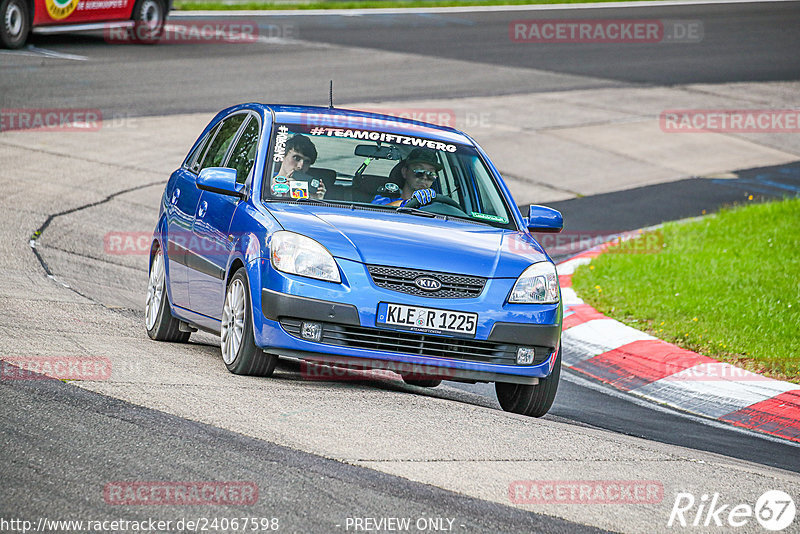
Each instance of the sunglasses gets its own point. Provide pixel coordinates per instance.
(422, 173)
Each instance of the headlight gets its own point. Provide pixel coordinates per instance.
(537, 285)
(297, 254)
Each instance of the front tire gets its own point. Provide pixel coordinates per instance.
(239, 350)
(149, 17)
(533, 401)
(15, 23)
(160, 323)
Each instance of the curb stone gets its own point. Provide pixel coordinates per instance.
(635, 362)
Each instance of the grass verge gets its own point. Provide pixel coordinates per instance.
(726, 286)
(226, 5)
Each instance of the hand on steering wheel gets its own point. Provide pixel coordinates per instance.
(422, 196)
(413, 202)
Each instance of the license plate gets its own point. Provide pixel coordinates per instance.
(432, 320)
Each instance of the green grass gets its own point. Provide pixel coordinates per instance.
(217, 5)
(726, 286)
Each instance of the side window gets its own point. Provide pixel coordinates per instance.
(243, 155)
(194, 158)
(221, 142)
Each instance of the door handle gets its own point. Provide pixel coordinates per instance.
(202, 210)
(175, 196)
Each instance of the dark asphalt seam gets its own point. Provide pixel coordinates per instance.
(90, 257)
(39, 231)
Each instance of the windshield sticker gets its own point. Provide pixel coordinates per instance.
(280, 179)
(280, 189)
(487, 217)
(391, 187)
(383, 137)
(298, 189)
(280, 143)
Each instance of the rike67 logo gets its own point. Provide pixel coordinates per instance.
(774, 510)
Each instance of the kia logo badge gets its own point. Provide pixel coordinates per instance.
(427, 283)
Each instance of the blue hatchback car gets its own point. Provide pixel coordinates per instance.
(347, 238)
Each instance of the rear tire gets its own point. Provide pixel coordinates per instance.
(534, 401)
(15, 23)
(149, 17)
(239, 350)
(160, 323)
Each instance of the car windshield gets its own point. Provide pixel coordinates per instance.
(363, 167)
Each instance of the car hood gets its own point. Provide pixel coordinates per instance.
(379, 237)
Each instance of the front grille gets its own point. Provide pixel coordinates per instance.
(454, 286)
(472, 350)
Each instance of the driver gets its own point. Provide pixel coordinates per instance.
(300, 155)
(420, 168)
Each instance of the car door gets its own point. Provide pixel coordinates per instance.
(181, 198)
(214, 212)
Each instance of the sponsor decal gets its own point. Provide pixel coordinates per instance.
(298, 189)
(60, 9)
(489, 217)
(382, 137)
(89, 5)
(280, 143)
(280, 189)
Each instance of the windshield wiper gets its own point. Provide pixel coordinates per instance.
(416, 211)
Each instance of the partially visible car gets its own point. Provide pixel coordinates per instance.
(457, 289)
(144, 19)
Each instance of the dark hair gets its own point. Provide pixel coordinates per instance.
(303, 145)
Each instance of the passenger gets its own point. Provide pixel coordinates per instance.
(300, 155)
(420, 168)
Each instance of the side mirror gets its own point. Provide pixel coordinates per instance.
(220, 180)
(544, 219)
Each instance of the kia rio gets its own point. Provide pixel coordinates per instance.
(348, 238)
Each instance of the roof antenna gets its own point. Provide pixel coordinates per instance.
(331, 95)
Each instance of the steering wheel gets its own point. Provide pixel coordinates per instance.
(443, 199)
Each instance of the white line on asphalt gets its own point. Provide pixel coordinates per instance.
(55, 55)
(578, 380)
(455, 9)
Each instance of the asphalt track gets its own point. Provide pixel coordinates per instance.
(132, 81)
(741, 42)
